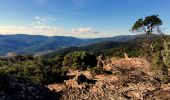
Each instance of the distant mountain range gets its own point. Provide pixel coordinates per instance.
(92, 48)
(32, 44)
(132, 46)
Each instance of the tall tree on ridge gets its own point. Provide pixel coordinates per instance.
(149, 25)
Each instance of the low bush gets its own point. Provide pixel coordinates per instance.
(79, 60)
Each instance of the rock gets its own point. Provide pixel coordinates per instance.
(73, 84)
(166, 87)
(82, 79)
(101, 61)
(128, 64)
(126, 56)
(169, 71)
(133, 94)
(158, 95)
(132, 82)
(57, 87)
(15, 88)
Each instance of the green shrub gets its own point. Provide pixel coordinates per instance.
(97, 70)
(79, 60)
(157, 61)
(56, 63)
(166, 54)
(39, 70)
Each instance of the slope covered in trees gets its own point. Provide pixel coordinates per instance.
(136, 69)
(109, 48)
(33, 44)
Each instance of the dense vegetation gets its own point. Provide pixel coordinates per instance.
(79, 60)
(53, 67)
(166, 53)
(96, 48)
(133, 48)
(47, 70)
(31, 44)
(38, 70)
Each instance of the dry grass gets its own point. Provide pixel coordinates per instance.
(128, 64)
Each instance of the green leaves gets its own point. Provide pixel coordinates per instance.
(138, 24)
(148, 25)
(151, 24)
(152, 21)
(166, 54)
(79, 60)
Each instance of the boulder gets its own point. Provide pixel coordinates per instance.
(16, 88)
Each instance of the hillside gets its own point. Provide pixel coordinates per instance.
(109, 48)
(120, 79)
(93, 48)
(84, 50)
(129, 78)
(30, 44)
(125, 74)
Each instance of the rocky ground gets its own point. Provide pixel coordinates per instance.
(123, 79)
(14, 88)
(130, 78)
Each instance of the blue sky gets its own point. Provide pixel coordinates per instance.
(78, 18)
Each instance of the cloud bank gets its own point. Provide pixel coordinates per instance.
(84, 30)
(42, 26)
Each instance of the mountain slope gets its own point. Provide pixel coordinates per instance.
(109, 48)
(95, 48)
(31, 44)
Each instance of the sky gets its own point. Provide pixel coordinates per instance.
(79, 18)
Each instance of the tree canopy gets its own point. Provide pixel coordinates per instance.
(151, 24)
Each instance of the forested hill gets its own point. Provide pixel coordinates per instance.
(30, 44)
(109, 48)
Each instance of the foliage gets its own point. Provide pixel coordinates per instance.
(48, 70)
(166, 54)
(38, 70)
(45, 71)
(79, 60)
(149, 25)
(157, 62)
(40, 45)
(96, 49)
(133, 48)
(97, 70)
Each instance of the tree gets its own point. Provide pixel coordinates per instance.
(79, 60)
(149, 25)
(56, 63)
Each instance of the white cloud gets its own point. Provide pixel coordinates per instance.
(52, 31)
(42, 26)
(43, 23)
(42, 20)
(84, 30)
(36, 30)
